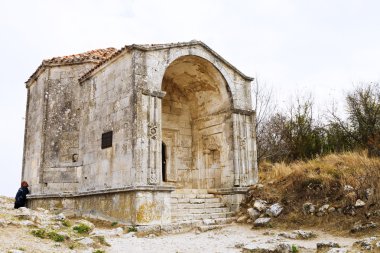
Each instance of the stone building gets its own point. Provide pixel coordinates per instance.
(148, 134)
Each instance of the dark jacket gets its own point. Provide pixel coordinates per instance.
(20, 199)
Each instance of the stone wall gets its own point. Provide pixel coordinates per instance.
(52, 131)
(33, 143)
(107, 106)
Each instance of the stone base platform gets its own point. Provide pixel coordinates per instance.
(137, 205)
(162, 206)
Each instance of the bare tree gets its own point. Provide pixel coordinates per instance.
(265, 107)
(363, 123)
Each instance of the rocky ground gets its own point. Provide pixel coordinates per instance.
(26, 230)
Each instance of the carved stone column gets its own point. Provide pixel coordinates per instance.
(154, 136)
(244, 148)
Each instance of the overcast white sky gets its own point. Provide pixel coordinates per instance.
(320, 46)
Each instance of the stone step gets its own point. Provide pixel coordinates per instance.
(199, 191)
(188, 217)
(192, 196)
(205, 228)
(198, 211)
(195, 200)
(196, 205)
(205, 196)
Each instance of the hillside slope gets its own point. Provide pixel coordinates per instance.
(337, 192)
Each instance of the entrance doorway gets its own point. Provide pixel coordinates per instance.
(196, 118)
(164, 177)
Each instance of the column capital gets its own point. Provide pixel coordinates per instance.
(243, 111)
(153, 93)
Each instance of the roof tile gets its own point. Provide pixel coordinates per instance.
(95, 56)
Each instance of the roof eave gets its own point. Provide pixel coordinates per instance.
(191, 43)
(103, 63)
(45, 65)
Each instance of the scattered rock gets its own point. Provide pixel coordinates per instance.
(305, 234)
(323, 209)
(260, 205)
(242, 219)
(15, 251)
(267, 248)
(298, 234)
(362, 227)
(208, 222)
(56, 227)
(24, 210)
(349, 210)
(60, 216)
(288, 235)
(274, 210)
(369, 193)
(260, 222)
(27, 223)
(253, 213)
(348, 188)
(104, 232)
(337, 250)
(308, 208)
(331, 209)
(257, 186)
(359, 203)
(118, 231)
(85, 241)
(366, 243)
(327, 245)
(4, 223)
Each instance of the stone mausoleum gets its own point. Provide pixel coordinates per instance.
(148, 134)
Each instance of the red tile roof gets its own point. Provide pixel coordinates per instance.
(96, 56)
(102, 56)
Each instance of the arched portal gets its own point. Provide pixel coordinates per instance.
(196, 125)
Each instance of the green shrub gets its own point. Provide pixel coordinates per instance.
(294, 248)
(114, 223)
(98, 251)
(73, 245)
(102, 240)
(55, 236)
(41, 233)
(82, 228)
(66, 223)
(132, 229)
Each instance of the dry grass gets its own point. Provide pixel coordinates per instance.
(326, 176)
(322, 181)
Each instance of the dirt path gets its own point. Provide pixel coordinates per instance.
(228, 239)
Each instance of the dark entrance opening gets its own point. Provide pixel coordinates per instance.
(163, 151)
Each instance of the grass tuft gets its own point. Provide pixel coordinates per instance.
(82, 228)
(66, 223)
